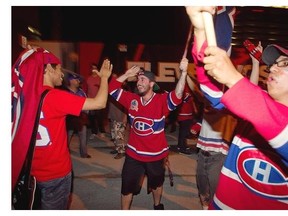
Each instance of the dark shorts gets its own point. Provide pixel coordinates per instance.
(134, 171)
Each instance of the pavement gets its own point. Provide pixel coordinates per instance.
(97, 180)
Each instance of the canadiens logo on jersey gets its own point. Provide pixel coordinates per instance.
(260, 171)
(143, 126)
(134, 105)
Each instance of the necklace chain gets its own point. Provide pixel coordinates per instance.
(146, 101)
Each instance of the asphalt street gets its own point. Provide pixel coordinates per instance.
(97, 180)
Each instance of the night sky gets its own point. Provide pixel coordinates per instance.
(160, 25)
(134, 24)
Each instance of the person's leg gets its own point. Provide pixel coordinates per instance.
(113, 135)
(184, 131)
(202, 180)
(83, 141)
(215, 165)
(133, 174)
(181, 136)
(112, 129)
(100, 116)
(93, 123)
(173, 120)
(155, 178)
(70, 134)
(119, 139)
(55, 193)
(126, 201)
(157, 195)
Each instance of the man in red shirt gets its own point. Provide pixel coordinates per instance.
(51, 164)
(147, 147)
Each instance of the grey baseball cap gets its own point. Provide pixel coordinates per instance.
(272, 52)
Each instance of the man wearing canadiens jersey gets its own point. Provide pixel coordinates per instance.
(147, 147)
(255, 173)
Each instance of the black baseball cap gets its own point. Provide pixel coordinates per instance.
(151, 77)
(272, 52)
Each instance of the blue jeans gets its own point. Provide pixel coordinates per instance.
(55, 193)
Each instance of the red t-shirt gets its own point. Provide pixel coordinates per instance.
(51, 157)
(93, 85)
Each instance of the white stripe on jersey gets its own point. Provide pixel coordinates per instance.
(147, 153)
(210, 92)
(280, 139)
(220, 204)
(230, 174)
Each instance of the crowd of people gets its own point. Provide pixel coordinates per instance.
(241, 162)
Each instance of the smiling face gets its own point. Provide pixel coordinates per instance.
(58, 75)
(53, 75)
(277, 81)
(144, 85)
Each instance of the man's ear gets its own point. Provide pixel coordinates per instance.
(49, 68)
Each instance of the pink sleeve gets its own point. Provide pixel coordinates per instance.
(213, 91)
(253, 104)
(202, 76)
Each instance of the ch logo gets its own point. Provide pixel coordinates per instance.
(260, 171)
(143, 126)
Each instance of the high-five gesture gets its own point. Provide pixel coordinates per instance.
(106, 69)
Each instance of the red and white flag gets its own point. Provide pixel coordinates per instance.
(27, 87)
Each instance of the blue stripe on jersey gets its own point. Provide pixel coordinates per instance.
(116, 93)
(213, 97)
(171, 105)
(283, 152)
(230, 162)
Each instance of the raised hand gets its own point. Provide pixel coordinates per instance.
(133, 71)
(219, 66)
(195, 15)
(255, 53)
(184, 64)
(106, 69)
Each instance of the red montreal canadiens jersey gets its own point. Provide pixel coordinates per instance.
(51, 157)
(255, 173)
(147, 141)
(186, 108)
